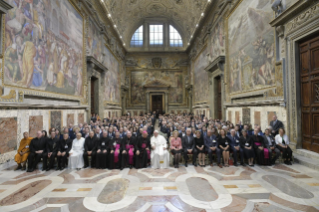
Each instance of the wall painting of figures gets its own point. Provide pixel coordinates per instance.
(250, 47)
(201, 77)
(44, 46)
(112, 78)
(217, 41)
(142, 78)
(94, 42)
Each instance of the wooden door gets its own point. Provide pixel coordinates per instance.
(157, 103)
(309, 86)
(219, 98)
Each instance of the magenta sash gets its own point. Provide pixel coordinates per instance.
(116, 154)
(130, 153)
(266, 152)
(143, 145)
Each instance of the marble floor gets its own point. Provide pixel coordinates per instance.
(192, 189)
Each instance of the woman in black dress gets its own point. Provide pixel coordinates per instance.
(247, 146)
(224, 142)
(200, 148)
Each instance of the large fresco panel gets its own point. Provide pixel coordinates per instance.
(141, 78)
(217, 41)
(94, 42)
(112, 81)
(44, 46)
(56, 120)
(201, 77)
(251, 55)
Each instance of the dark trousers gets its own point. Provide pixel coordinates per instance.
(86, 159)
(277, 151)
(110, 164)
(286, 152)
(52, 159)
(141, 159)
(62, 160)
(195, 153)
(210, 155)
(101, 160)
(34, 159)
(235, 152)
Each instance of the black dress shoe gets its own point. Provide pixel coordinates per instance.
(85, 167)
(195, 164)
(57, 168)
(242, 164)
(289, 163)
(186, 165)
(62, 168)
(44, 169)
(29, 170)
(48, 169)
(235, 164)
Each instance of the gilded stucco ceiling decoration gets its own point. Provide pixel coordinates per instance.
(128, 15)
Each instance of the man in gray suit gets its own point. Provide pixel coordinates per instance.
(270, 144)
(276, 125)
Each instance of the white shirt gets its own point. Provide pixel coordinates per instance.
(278, 139)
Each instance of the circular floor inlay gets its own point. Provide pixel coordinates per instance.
(114, 191)
(288, 187)
(201, 190)
(25, 193)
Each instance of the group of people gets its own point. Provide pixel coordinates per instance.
(133, 142)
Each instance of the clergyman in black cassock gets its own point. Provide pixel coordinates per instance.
(102, 151)
(52, 146)
(63, 154)
(90, 146)
(37, 151)
(128, 145)
(142, 147)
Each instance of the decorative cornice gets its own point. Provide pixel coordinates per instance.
(4, 7)
(95, 64)
(218, 63)
(292, 12)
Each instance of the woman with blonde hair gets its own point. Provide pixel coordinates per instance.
(176, 148)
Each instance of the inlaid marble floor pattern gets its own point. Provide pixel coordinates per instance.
(191, 189)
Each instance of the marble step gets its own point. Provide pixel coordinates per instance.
(307, 153)
(312, 163)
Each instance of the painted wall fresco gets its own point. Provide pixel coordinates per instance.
(70, 119)
(142, 78)
(217, 41)
(201, 77)
(8, 133)
(94, 42)
(251, 56)
(44, 46)
(112, 90)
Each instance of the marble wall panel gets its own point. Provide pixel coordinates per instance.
(229, 115)
(237, 117)
(8, 134)
(35, 124)
(246, 116)
(70, 119)
(257, 117)
(80, 118)
(56, 119)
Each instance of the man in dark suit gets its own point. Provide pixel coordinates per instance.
(182, 133)
(212, 146)
(270, 144)
(235, 147)
(188, 144)
(37, 151)
(276, 125)
(238, 131)
(63, 153)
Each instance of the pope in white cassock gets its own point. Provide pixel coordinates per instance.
(159, 154)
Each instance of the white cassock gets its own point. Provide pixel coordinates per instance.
(159, 156)
(76, 159)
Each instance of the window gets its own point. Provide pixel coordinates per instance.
(175, 38)
(156, 34)
(137, 38)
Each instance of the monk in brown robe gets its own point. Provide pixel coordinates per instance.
(23, 151)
